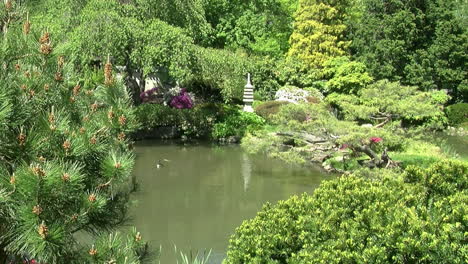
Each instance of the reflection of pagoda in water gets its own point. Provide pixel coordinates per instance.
(248, 95)
(246, 170)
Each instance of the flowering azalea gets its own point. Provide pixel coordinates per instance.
(148, 95)
(182, 101)
(375, 139)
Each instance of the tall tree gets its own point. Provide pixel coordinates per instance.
(319, 31)
(187, 14)
(418, 42)
(259, 26)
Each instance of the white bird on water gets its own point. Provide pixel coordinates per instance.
(159, 164)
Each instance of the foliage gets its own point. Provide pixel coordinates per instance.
(318, 30)
(182, 100)
(56, 16)
(267, 109)
(265, 73)
(220, 70)
(64, 147)
(193, 259)
(259, 26)
(345, 76)
(292, 72)
(386, 100)
(457, 113)
(419, 153)
(237, 124)
(388, 218)
(422, 42)
(116, 248)
(206, 120)
(186, 14)
(308, 124)
(194, 123)
(102, 30)
(160, 47)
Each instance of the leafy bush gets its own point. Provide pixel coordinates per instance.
(301, 113)
(386, 218)
(202, 121)
(265, 77)
(457, 113)
(220, 70)
(267, 109)
(238, 124)
(196, 123)
(345, 76)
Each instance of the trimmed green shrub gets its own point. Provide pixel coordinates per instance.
(267, 109)
(457, 113)
(414, 217)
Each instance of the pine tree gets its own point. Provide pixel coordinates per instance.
(318, 31)
(64, 155)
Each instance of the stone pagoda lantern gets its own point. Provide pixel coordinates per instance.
(248, 95)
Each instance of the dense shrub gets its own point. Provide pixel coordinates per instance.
(202, 121)
(220, 70)
(196, 123)
(238, 124)
(265, 77)
(267, 109)
(388, 218)
(345, 76)
(301, 113)
(457, 113)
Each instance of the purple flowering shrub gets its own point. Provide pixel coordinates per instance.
(175, 97)
(148, 95)
(182, 101)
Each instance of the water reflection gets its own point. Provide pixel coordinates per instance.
(246, 170)
(204, 192)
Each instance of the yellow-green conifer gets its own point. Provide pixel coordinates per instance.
(318, 32)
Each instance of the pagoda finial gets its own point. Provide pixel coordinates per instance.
(249, 83)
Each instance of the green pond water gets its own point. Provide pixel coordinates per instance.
(198, 198)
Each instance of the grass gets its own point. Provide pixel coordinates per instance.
(423, 154)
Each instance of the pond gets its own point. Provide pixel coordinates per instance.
(203, 192)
